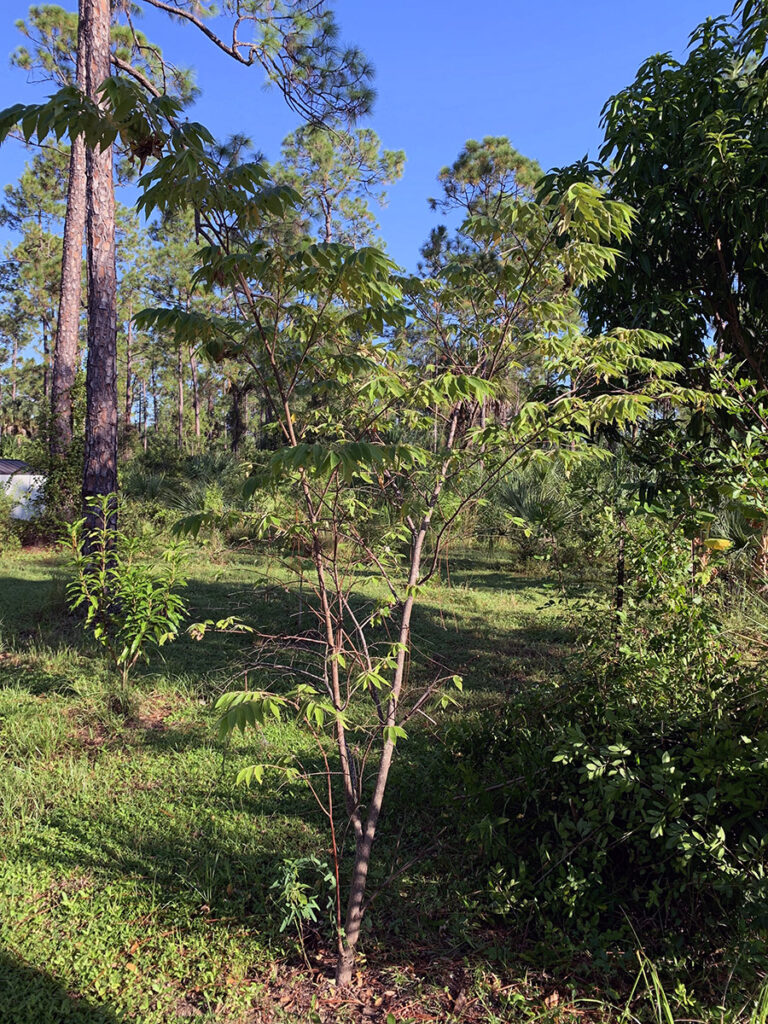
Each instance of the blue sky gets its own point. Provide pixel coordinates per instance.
(445, 71)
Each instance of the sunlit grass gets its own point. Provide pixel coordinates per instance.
(135, 875)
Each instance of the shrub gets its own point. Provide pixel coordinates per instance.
(129, 605)
(637, 790)
(9, 533)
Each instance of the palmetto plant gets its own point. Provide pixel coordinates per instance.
(540, 496)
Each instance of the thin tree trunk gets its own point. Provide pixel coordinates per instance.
(46, 362)
(237, 426)
(180, 403)
(15, 364)
(128, 409)
(365, 836)
(760, 564)
(144, 410)
(195, 391)
(66, 346)
(100, 468)
(155, 410)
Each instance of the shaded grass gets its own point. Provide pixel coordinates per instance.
(28, 994)
(136, 876)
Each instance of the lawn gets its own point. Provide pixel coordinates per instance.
(137, 880)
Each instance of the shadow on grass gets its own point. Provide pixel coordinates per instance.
(30, 996)
(490, 657)
(491, 651)
(488, 573)
(29, 607)
(192, 862)
(35, 679)
(216, 850)
(219, 654)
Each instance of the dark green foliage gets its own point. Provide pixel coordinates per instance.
(128, 604)
(9, 531)
(304, 893)
(635, 794)
(686, 145)
(485, 175)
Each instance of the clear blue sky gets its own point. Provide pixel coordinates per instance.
(446, 71)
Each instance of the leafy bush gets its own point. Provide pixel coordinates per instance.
(638, 790)
(305, 893)
(129, 605)
(9, 534)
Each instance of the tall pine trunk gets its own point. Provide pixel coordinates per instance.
(100, 466)
(15, 365)
(144, 411)
(153, 386)
(195, 391)
(180, 399)
(46, 360)
(68, 326)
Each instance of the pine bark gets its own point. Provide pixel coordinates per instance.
(180, 399)
(46, 360)
(68, 326)
(155, 406)
(128, 407)
(100, 466)
(195, 391)
(144, 411)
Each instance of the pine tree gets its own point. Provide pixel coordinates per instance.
(337, 174)
(58, 52)
(33, 208)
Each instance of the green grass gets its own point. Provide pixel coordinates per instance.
(135, 875)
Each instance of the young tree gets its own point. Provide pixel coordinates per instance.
(348, 493)
(351, 498)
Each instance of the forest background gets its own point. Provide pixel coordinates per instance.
(467, 555)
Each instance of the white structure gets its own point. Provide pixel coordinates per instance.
(23, 485)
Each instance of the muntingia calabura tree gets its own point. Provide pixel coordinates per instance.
(379, 455)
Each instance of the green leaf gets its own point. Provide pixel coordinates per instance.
(392, 733)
